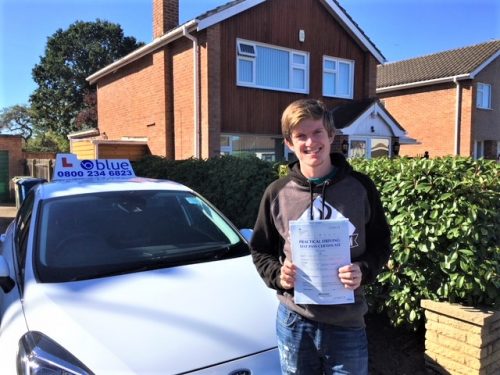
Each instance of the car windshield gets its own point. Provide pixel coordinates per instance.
(101, 234)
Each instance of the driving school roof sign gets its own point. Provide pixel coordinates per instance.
(68, 167)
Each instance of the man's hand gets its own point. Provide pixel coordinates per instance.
(351, 275)
(287, 275)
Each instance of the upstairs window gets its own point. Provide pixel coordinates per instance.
(273, 68)
(483, 99)
(338, 77)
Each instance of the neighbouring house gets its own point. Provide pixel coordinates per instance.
(449, 101)
(218, 84)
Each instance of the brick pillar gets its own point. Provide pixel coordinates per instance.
(461, 340)
(165, 16)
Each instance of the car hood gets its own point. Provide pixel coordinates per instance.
(161, 321)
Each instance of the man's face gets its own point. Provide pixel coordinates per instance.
(311, 144)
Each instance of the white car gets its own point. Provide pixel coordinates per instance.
(102, 272)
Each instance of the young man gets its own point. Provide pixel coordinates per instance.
(319, 339)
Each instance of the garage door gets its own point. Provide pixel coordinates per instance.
(4, 176)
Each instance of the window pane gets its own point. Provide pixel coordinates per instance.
(299, 81)
(358, 149)
(329, 84)
(299, 59)
(379, 147)
(483, 96)
(264, 147)
(329, 64)
(344, 79)
(272, 68)
(247, 49)
(245, 71)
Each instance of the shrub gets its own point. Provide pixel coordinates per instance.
(445, 218)
(233, 184)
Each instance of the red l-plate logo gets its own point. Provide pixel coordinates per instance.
(65, 163)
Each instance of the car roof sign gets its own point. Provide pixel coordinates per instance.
(69, 167)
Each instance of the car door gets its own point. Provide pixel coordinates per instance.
(13, 255)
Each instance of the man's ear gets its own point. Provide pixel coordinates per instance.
(331, 137)
(289, 143)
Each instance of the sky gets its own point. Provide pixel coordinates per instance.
(401, 29)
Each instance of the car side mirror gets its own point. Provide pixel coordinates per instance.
(6, 282)
(246, 233)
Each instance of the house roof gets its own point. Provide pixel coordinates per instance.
(345, 114)
(461, 63)
(352, 117)
(226, 11)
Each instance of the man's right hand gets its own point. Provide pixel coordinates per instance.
(287, 275)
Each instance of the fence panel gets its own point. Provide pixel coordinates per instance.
(41, 168)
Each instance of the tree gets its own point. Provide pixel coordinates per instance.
(17, 120)
(48, 141)
(70, 57)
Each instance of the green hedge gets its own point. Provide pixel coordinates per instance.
(445, 220)
(444, 215)
(233, 184)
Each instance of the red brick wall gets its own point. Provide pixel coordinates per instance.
(428, 114)
(183, 98)
(132, 102)
(211, 93)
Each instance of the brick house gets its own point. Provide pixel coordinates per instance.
(218, 84)
(449, 101)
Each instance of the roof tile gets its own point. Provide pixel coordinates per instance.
(439, 65)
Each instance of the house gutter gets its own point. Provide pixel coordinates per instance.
(458, 115)
(143, 51)
(196, 91)
(423, 83)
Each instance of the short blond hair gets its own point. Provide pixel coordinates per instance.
(304, 109)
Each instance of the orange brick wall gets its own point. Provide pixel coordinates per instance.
(211, 93)
(428, 114)
(131, 102)
(183, 100)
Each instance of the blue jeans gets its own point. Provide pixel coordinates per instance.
(307, 347)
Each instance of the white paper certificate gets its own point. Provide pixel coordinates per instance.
(319, 249)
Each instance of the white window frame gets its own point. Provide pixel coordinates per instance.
(478, 150)
(336, 72)
(245, 56)
(484, 93)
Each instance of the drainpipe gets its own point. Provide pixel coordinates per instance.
(196, 103)
(458, 117)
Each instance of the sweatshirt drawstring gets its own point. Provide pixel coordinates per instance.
(325, 184)
(311, 188)
(323, 197)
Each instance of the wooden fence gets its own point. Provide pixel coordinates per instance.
(41, 168)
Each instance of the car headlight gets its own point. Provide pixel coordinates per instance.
(39, 355)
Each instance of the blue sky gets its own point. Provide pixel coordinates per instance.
(401, 29)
